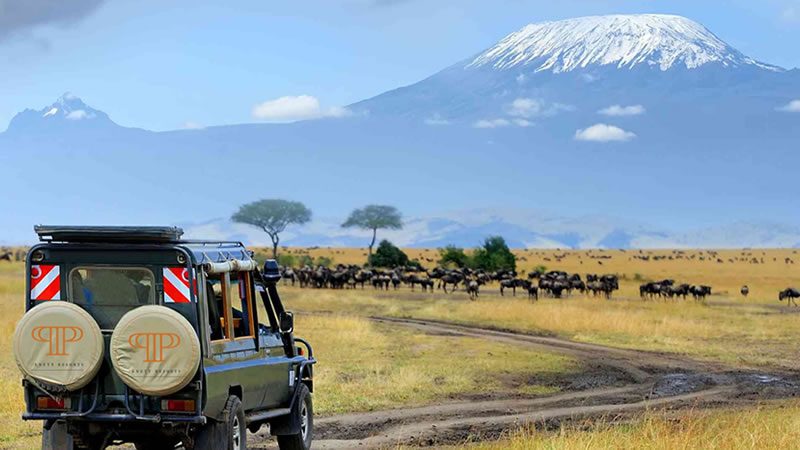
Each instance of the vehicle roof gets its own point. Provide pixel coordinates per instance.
(141, 237)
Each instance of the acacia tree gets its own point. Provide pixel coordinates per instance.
(374, 217)
(273, 216)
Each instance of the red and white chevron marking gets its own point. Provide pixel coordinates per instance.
(45, 282)
(176, 285)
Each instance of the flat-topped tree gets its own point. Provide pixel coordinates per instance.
(375, 217)
(273, 216)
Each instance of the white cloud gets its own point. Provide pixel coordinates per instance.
(338, 112)
(491, 123)
(192, 126)
(604, 133)
(523, 123)
(522, 78)
(79, 114)
(527, 108)
(293, 108)
(791, 107)
(437, 119)
(621, 111)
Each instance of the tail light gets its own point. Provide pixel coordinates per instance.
(44, 402)
(178, 405)
(300, 351)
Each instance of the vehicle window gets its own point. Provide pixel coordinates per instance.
(217, 307)
(241, 302)
(107, 293)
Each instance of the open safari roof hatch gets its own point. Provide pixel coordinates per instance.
(58, 233)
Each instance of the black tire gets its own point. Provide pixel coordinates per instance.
(235, 426)
(220, 435)
(304, 415)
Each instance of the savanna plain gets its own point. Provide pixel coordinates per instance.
(403, 368)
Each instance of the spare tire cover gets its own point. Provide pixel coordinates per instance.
(155, 350)
(60, 344)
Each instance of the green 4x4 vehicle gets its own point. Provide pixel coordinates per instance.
(132, 334)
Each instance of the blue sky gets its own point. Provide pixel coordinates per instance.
(166, 65)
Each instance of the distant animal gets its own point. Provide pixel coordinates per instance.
(745, 291)
(533, 292)
(700, 292)
(472, 289)
(511, 284)
(789, 294)
(5, 256)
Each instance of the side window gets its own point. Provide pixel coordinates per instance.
(217, 307)
(239, 292)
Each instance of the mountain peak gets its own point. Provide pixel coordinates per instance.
(67, 111)
(624, 41)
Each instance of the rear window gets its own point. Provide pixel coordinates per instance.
(107, 293)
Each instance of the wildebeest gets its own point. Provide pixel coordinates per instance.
(700, 292)
(472, 289)
(789, 294)
(745, 291)
(533, 292)
(5, 256)
(512, 284)
(452, 278)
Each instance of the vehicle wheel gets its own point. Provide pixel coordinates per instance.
(235, 428)
(304, 415)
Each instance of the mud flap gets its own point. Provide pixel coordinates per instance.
(56, 437)
(286, 425)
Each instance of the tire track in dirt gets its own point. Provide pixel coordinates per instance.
(658, 380)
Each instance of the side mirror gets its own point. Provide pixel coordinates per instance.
(286, 320)
(271, 271)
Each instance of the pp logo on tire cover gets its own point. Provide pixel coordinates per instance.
(60, 344)
(155, 350)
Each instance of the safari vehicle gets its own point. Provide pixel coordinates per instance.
(134, 335)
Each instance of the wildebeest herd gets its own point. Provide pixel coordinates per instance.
(553, 284)
(667, 289)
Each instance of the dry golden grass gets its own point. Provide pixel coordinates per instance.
(774, 426)
(366, 366)
(14, 433)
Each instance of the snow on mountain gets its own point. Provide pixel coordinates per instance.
(67, 111)
(625, 41)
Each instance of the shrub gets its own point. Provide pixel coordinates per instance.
(494, 255)
(453, 256)
(388, 255)
(286, 260)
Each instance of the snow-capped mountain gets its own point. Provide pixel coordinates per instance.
(584, 65)
(67, 112)
(622, 41)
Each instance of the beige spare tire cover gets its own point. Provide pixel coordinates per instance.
(155, 350)
(60, 344)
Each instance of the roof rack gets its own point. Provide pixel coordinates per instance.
(60, 233)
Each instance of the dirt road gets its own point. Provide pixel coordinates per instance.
(617, 382)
